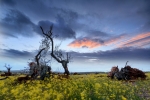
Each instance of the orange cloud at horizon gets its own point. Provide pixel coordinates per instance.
(114, 40)
(139, 43)
(136, 41)
(139, 40)
(85, 42)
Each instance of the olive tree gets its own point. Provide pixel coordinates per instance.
(57, 54)
(39, 67)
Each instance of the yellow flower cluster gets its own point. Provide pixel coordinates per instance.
(78, 87)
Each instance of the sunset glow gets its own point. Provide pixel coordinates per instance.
(98, 34)
(138, 40)
(84, 43)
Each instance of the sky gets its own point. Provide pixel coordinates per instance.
(98, 34)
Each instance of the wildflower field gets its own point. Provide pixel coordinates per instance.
(77, 87)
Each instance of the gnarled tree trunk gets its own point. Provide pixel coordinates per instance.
(58, 59)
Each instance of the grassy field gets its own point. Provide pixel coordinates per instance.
(78, 87)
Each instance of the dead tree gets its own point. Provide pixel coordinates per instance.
(40, 67)
(8, 73)
(58, 56)
(135, 73)
(37, 59)
(38, 56)
(126, 73)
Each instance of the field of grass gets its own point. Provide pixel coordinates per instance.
(78, 87)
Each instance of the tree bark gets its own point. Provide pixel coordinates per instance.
(64, 64)
(38, 56)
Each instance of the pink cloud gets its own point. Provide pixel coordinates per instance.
(138, 41)
(115, 40)
(85, 43)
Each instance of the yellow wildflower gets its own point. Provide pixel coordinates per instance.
(123, 98)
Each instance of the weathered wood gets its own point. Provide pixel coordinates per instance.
(57, 58)
(126, 73)
(23, 79)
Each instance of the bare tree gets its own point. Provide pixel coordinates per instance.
(44, 47)
(38, 56)
(34, 67)
(40, 66)
(57, 55)
(8, 73)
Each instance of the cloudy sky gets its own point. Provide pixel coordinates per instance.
(98, 34)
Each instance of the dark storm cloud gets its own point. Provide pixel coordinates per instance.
(145, 13)
(127, 53)
(116, 54)
(47, 10)
(38, 9)
(96, 34)
(16, 23)
(16, 54)
(45, 25)
(91, 18)
(60, 29)
(20, 24)
(7, 2)
(63, 29)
